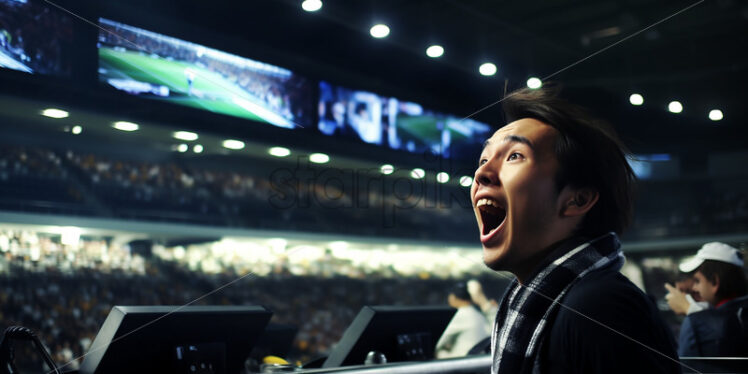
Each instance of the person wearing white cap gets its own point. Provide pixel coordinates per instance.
(719, 279)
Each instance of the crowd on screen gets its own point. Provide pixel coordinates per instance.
(279, 92)
(23, 36)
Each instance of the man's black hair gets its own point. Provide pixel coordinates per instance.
(460, 291)
(589, 153)
(732, 281)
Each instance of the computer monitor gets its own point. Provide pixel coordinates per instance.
(400, 333)
(276, 341)
(171, 339)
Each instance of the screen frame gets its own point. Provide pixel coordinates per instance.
(140, 338)
(374, 325)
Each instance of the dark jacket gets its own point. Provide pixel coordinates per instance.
(716, 332)
(582, 339)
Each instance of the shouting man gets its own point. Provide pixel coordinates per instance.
(552, 189)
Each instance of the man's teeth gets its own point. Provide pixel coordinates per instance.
(484, 201)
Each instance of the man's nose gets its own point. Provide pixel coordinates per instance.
(487, 174)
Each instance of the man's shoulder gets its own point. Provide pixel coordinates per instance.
(713, 316)
(601, 324)
(601, 291)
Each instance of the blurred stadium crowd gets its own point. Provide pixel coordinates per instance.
(64, 288)
(214, 193)
(68, 182)
(64, 292)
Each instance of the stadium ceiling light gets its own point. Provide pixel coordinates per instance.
(197, 148)
(636, 99)
(379, 31)
(76, 130)
(55, 113)
(417, 173)
(233, 144)
(435, 51)
(183, 148)
(488, 69)
(675, 107)
(126, 126)
(466, 181)
(442, 177)
(279, 151)
(311, 5)
(319, 158)
(534, 83)
(185, 135)
(715, 115)
(387, 169)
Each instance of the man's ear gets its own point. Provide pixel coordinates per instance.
(578, 201)
(716, 283)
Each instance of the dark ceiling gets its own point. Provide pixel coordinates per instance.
(695, 53)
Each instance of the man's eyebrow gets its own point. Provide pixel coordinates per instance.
(511, 139)
(518, 139)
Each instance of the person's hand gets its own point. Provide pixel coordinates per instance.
(676, 300)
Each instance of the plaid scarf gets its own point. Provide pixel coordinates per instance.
(526, 311)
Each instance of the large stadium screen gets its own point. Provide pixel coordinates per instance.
(354, 114)
(400, 125)
(426, 131)
(156, 66)
(35, 38)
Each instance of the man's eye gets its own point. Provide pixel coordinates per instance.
(482, 161)
(514, 156)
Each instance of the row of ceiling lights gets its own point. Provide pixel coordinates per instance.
(233, 144)
(675, 107)
(381, 31)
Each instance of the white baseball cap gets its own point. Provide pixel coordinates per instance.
(712, 251)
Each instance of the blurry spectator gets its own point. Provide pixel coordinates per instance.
(467, 328)
(488, 307)
(720, 280)
(682, 299)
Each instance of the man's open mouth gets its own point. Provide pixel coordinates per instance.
(491, 214)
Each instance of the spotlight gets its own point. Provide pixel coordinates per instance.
(185, 135)
(675, 107)
(76, 130)
(466, 181)
(379, 31)
(279, 151)
(54, 113)
(442, 177)
(319, 158)
(715, 115)
(311, 5)
(183, 148)
(417, 173)
(233, 144)
(387, 169)
(126, 126)
(534, 83)
(435, 51)
(487, 69)
(197, 148)
(636, 99)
